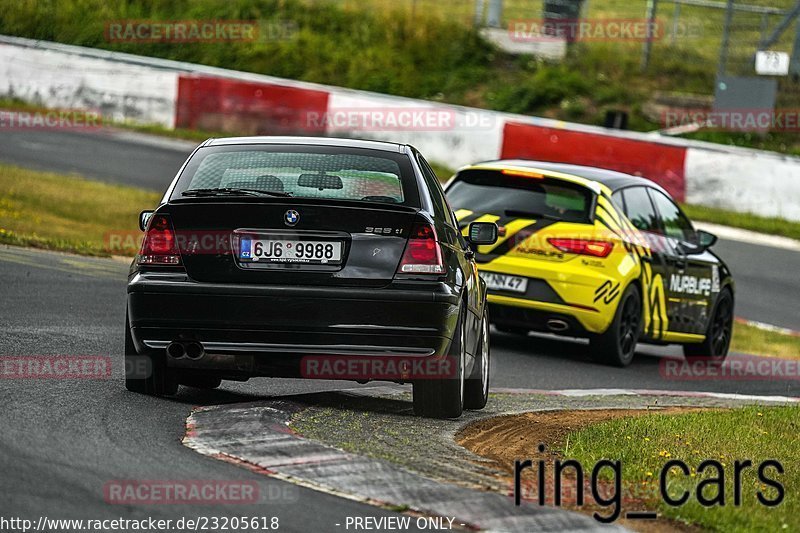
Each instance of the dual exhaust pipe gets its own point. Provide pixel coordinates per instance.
(192, 350)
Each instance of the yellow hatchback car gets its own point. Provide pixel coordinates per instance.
(588, 252)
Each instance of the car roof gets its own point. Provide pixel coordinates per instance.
(610, 178)
(308, 141)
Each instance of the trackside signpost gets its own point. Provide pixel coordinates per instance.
(770, 63)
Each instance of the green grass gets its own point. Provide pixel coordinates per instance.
(756, 341)
(749, 221)
(73, 214)
(426, 49)
(644, 444)
(774, 141)
(69, 213)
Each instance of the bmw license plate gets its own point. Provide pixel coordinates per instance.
(500, 282)
(290, 251)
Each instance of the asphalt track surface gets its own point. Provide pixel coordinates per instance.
(63, 440)
(115, 156)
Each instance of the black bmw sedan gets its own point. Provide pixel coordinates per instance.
(313, 258)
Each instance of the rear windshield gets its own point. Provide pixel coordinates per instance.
(491, 192)
(303, 172)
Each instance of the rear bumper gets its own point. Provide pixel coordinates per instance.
(281, 322)
(584, 296)
(533, 319)
(518, 312)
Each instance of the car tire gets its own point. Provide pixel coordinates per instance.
(476, 388)
(147, 373)
(444, 397)
(719, 332)
(617, 346)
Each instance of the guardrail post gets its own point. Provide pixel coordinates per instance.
(479, 7)
(794, 64)
(726, 34)
(676, 20)
(652, 7)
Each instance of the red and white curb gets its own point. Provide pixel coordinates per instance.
(576, 393)
(768, 327)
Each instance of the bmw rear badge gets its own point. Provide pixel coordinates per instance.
(291, 217)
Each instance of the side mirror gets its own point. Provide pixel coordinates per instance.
(144, 218)
(701, 241)
(705, 239)
(481, 233)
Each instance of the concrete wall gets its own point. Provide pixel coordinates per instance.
(755, 182)
(463, 135)
(119, 91)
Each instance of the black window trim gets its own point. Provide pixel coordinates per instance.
(450, 218)
(649, 198)
(651, 193)
(623, 204)
(411, 197)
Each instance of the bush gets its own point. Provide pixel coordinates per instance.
(548, 85)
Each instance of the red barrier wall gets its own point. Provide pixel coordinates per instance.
(219, 104)
(661, 163)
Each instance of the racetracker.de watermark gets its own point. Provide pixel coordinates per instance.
(545, 30)
(177, 492)
(55, 367)
(186, 242)
(410, 118)
(389, 367)
(195, 242)
(198, 31)
(736, 367)
(781, 120)
(63, 119)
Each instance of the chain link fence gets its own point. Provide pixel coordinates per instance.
(696, 25)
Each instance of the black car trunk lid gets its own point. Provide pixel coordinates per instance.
(237, 240)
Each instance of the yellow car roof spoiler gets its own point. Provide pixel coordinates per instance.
(594, 186)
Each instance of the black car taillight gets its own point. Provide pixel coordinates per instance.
(160, 244)
(422, 254)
